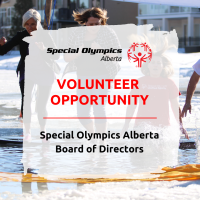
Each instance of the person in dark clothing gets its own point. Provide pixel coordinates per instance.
(17, 40)
(31, 19)
(29, 25)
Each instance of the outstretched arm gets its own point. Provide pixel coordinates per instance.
(190, 91)
(7, 46)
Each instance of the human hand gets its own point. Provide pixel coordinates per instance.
(183, 131)
(40, 45)
(3, 41)
(186, 107)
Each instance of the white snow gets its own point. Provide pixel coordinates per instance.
(135, 190)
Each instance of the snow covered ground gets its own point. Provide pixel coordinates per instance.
(135, 190)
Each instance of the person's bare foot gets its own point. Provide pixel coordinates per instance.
(20, 115)
(27, 137)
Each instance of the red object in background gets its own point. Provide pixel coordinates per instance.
(140, 56)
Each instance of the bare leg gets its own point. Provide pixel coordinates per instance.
(101, 127)
(20, 115)
(27, 134)
(43, 94)
(43, 128)
(27, 127)
(89, 127)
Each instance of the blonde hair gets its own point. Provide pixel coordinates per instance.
(82, 17)
(168, 69)
(31, 13)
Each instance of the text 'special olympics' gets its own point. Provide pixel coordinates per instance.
(84, 50)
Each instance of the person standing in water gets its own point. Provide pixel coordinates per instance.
(162, 91)
(95, 35)
(194, 79)
(31, 22)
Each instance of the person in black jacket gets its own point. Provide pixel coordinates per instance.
(30, 22)
(17, 40)
(29, 25)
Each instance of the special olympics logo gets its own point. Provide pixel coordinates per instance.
(139, 53)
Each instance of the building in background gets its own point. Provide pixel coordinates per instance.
(121, 12)
(186, 21)
(6, 12)
(118, 12)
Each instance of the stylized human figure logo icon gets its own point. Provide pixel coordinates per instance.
(141, 56)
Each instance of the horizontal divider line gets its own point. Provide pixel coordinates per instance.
(99, 117)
